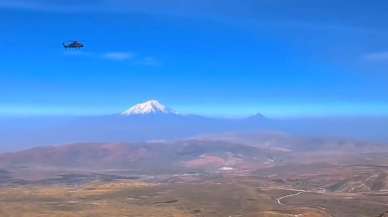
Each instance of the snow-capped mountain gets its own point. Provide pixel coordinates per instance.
(148, 107)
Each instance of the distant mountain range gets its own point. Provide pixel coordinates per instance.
(152, 120)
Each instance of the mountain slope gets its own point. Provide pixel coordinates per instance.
(145, 157)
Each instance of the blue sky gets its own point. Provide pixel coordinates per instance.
(280, 58)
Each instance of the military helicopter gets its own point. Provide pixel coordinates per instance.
(73, 45)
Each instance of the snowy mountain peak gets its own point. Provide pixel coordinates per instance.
(149, 107)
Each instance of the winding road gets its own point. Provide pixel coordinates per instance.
(278, 200)
(299, 192)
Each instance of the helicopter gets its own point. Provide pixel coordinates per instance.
(73, 45)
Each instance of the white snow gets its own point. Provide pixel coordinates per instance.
(149, 107)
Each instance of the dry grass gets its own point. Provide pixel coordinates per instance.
(226, 196)
(92, 200)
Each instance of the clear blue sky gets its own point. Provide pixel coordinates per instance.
(215, 57)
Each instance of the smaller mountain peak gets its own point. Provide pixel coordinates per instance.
(149, 107)
(257, 116)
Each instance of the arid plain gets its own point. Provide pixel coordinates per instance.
(228, 176)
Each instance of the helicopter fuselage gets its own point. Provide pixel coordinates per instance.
(75, 44)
